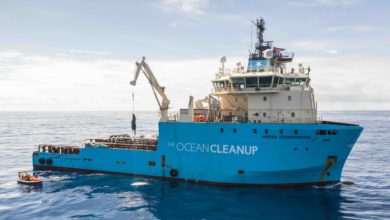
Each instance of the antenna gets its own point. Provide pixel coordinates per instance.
(251, 39)
(223, 61)
(260, 28)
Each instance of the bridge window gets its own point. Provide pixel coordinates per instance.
(288, 81)
(221, 85)
(252, 82)
(238, 83)
(265, 81)
(276, 80)
(300, 81)
(289, 98)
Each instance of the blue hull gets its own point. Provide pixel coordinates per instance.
(241, 154)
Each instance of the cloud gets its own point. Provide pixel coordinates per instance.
(36, 82)
(350, 82)
(354, 28)
(312, 45)
(4, 55)
(326, 3)
(187, 6)
(33, 82)
(86, 52)
(338, 2)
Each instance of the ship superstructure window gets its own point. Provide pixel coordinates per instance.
(252, 82)
(281, 131)
(264, 114)
(255, 131)
(300, 81)
(264, 98)
(265, 81)
(238, 83)
(289, 98)
(275, 82)
(288, 81)
(221, 85)
(266, 131)
(234, 130)
(295, 131)
(292, 114)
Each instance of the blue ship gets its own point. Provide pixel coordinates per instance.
(259, 127)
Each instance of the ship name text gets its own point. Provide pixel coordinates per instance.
(216, 148)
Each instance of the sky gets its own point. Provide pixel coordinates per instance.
(80, 55)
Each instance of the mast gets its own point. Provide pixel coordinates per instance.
(260, 28)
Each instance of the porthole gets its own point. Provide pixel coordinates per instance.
(281, 131)
(234, 130)
(296, 131)
(221, 130)
(266, 131)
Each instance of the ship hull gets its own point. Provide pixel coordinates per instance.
(239, 154)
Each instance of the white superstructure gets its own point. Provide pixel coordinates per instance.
(269, 95)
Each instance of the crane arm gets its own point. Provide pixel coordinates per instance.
(164, 104)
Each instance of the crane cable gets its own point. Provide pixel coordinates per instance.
(133, 120)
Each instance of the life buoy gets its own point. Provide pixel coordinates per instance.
(174, 173)
(41, 161)
(49, 161)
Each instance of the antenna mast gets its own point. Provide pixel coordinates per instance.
(260, 26)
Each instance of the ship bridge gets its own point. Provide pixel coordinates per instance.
(266, 91)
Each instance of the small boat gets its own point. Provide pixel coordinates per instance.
(27, 179)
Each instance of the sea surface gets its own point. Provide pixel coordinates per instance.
(103, 196)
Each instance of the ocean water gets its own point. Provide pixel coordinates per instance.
(102, 196)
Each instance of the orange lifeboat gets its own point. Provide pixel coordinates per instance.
(27, 179)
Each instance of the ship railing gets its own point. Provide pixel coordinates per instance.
(124, 143)
(228, 72)
(59, 149)
(262, 87)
